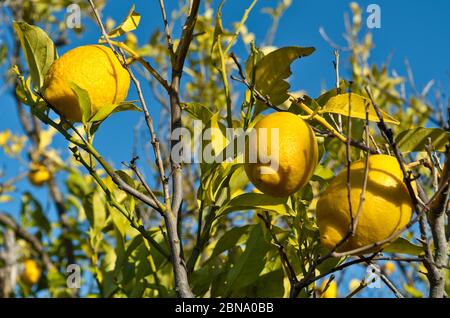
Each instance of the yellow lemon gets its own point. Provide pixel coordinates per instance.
(387, 206)
(39, 174)
(331, 292)
(95, 69)
(354, 284)
(389, 268)
(291, 146)
(31, 272)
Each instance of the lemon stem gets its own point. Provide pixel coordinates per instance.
(321, 121)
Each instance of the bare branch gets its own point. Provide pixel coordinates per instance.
(9, 222)
(167, 30)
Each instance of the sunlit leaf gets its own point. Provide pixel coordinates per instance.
(403, 246)
(106, 111)
(414, 292)
(230, 239)
(130, 23)
(273, 70)
(5, 198)
(198, 111)
(253, 201)
(94, 208)
(39, 50)
(83, 100)
(341, 104)
(218, 28)
(323, 173)
(417, 139)
(324, 97)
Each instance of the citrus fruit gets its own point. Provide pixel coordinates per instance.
(354, 284)
(38, 174)
(330, 292)
(293, 154)
(95, 69)
(389, 268)
(386, 209)
(31, 272)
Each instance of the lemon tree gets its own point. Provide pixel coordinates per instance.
(357, 176)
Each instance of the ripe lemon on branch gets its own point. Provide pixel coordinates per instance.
(295, 150)
(93, 68)
(38, 174)
(387, 207)
(31, 272)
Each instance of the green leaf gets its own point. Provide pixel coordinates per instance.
(130, 23)
(94, 208)
(268, 285)
(32, 210)
(218, 27)
(403, 246)
(3, 52)
(324, 97)
(126, 177)
(106, 111)
(340, 104)
(238, 181)
(198, 111)
(417, 138)
(322, 173)
(329, 263)
(252, 201)
(273, 70)
(247, 268)
(257, 55)
(415, 293)
(23, 88)
(39, 51)
(83, 100)
(230, 239)
(94, 127)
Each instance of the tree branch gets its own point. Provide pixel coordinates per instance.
(20, 232)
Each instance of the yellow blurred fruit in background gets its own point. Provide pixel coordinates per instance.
(31, 272)
(39, 174)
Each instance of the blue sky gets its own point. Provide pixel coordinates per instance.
(416, 30)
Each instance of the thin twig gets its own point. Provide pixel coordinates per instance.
(284, 258)
(141, 178)
(349, 162)
(167, 30)
(243, 79)
(366, 174)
